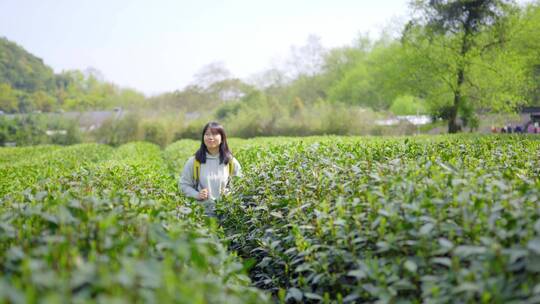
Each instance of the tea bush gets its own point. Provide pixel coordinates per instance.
(112, 230)
(449, 219)
(325, 219)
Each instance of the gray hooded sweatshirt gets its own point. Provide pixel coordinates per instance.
(213, 176)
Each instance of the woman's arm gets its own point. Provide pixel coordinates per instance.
(186, 183)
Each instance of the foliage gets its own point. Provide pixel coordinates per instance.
(207, 95)
(32, 130)
(85, 91)
(110, 229)
(461, 43)
(117, 131)
(45, 164)
(8, 98)
(192, 131)
(364, 74)
(27, 84)
(407, 105)
(459, 57)
(260, 114)
(325, 219)
(525, 43)
(11, 155)
(22, 70)
(154, 132)
(435, 220)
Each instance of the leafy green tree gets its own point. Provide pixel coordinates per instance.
(22, 70)
(154, 132)
(28, 130)
(26, 103)
(66, 131)
(407, 105)
(526, 43)
(43, 101)
(346, 71)
(456, 49)
(366, 75)
(128, 98)
(8, 98)
(115, 131)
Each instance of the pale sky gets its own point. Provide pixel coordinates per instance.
(157, 46)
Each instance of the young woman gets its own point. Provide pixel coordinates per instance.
(207, 174)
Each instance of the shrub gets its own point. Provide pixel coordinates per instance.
(154, 132)
(407, 105)
(116, 132)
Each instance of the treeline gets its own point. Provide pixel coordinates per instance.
(54, 128)
(451, 60)
(28, 85)
(34, 129)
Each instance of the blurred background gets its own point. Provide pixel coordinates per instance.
(96, 71)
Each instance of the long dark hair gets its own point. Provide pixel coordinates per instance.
(225, 155)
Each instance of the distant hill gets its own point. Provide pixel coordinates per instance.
(29, 85)
(22, 70)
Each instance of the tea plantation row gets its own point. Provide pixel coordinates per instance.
(325, 219)
(89, 224)
(430, 220)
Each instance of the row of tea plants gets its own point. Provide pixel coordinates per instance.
(427, 220)
(89, 223)
(326, 219)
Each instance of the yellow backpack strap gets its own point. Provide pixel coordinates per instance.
(231, 167)
(196, 171)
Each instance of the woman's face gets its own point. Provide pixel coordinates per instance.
(212, 141)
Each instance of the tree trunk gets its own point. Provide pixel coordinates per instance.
(453, 126)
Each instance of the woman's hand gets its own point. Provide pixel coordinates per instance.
(203, 194)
